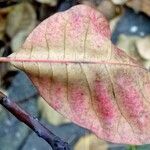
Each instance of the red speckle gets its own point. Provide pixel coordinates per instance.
(130, 96)
(100, 24)
(104, 103)
(131, 101)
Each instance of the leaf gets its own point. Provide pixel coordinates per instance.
(128, 43)
(143, 46)
(119, 2)
(82, 75)
(19, 39)
(147, 64)
(50, 2)
(21, 19)
(142, 6)
(106, 5)
(20, 22)
(3, 15)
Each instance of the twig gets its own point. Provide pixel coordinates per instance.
(55, 142)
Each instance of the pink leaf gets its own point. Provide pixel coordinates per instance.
(81, 74)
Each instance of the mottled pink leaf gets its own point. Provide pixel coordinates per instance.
(81, 74)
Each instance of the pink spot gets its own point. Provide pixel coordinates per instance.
(130, 96)
(104, 103)
(131, 101)
(76, 20)
(77, 99)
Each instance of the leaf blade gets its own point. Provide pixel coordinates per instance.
(81, 74)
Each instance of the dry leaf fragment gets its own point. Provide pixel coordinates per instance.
(3, 15)
(119, 2)
(50, 2)
(113, 23)
(81, 74)
(128, 44)
(91, 142)
(138, 5)
(21, 19)
(143, 47)
(107, 8)
(147, 64)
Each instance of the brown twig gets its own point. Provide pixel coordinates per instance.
(55, 142)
